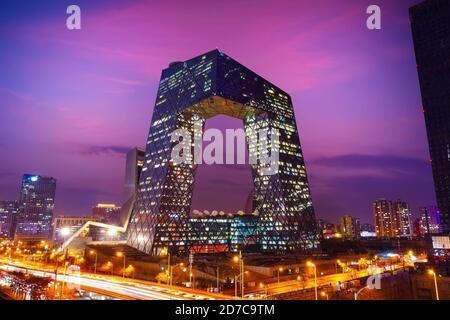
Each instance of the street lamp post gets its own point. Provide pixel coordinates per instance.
(168, 268)
(324, 294)
(435, 283)
(171, 272)
(280, 269)
(261, 285)
(218, 279)
(310, 264)
(359, 291)
(96, 259)
(120, 255)
(110, 264)
(241, 272)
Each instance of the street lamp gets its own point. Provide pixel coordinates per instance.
(310, 264)
(120, 255)
(262, 286)
(237, 259)
(435, 282)
(280, 269)
(342, 265)
(65, 231)
(92, 252)
(170, 270)
(110, 264)
(131, 268)
(359, 291)
(324, 294)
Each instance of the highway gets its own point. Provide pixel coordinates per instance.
(125, 288)
(116, 286)
(296, 285)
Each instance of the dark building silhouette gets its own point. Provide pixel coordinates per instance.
(37, 201)
(191, 92)
(249, 203)
(430, 22)
(429, 220)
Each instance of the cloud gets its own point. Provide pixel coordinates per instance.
(349, 183)
(19, 95)
(365, 161)
(104, 150)
(127, 82)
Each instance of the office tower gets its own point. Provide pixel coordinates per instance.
(64, 227)
(108, 213)
(350, 227)
(37, 200)
(430, 23)
(189, 93)
(429, 220)
(9, 211)
(134, 163)
(401, 219)
(382, 214)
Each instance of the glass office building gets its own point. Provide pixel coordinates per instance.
(430, 23)
(189, 93)
(37, 200)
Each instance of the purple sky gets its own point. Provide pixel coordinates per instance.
(72, 102)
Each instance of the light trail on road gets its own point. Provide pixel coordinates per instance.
(126, 288)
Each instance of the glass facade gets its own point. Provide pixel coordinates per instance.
(37, 200)
(430, 22)
(8, 215)
(193, 91)
(134, 163)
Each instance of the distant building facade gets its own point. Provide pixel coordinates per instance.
(64, 227)
(429, 220)
(134, 163)
(367, 230)
(350, 227)
(36, 204)
(9, 211)
(108, 213)
(367, 227)
(327, 229)
(401, 219)
(382, 215)
(430, 23)
(391, 219)
(417, 232)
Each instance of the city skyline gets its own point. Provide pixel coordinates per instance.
(64, 122)
(242, 152)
